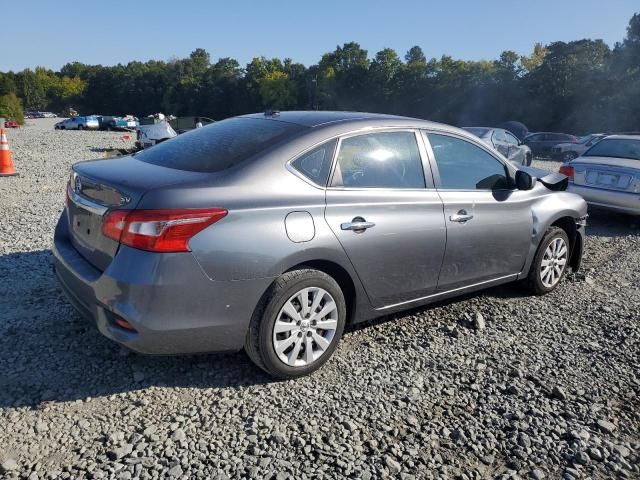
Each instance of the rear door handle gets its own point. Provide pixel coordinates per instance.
(358, 224)
(461, 217)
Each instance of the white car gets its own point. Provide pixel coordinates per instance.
(78, 123)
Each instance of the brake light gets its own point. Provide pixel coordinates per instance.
(567, 170)
(159, 230)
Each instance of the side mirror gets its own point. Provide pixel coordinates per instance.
(524, 181)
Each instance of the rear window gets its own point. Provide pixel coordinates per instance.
(615, 147)
(219, 146)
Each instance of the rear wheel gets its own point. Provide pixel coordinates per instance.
(550, 262)
(297, 325)
(568, 156)
(80, 127)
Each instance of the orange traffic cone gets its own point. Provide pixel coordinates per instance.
(6, 164)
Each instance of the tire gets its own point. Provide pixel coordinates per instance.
(528, 158)
(80, 127)
(568, 156)
(261, 340)
(537, 282)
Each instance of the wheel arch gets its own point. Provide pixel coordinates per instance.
(340, 275)
(568, 224)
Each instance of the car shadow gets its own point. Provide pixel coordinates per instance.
(49, 353)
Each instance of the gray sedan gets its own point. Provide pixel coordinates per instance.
(273, 232)
(504, 142)
(608, 174)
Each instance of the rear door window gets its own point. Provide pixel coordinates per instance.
(511, 139)
(316, 164)
(220, 145)
(379, 160)
(498, 135)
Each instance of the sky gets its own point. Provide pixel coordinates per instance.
(51, 33)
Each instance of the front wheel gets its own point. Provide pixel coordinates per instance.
(80, 127)
(297, 325)
(550, 262)
(568, 156)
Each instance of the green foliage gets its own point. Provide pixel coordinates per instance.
(11, 108)
(577, 86)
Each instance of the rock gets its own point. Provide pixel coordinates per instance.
(558, 393)
(392, 465)
(179, 435)
(537, 474)
(9, 465)
(595, 454)
(479, 323)
(120, 452)
(606, 426)
(516, 373)
(621, 450)
(351, 426)
(581, 458)
(175, 471)
(278, 438)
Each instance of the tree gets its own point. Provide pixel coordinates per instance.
(11, 108)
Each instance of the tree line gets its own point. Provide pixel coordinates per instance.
(578, 87)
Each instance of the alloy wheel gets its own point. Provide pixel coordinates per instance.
(305, 327)
(553, 262)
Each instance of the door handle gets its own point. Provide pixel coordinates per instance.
(358, 225)
(461, 217)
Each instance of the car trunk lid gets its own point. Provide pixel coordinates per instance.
(607, 173)
(96, 187)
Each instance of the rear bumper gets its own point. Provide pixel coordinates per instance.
(610, 199)
(173, 306)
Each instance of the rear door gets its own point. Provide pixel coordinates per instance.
(500, 142)
(516, 153)
(489, 225)
(384, 210)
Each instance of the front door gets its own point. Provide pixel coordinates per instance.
(489, 225)
(387, 215)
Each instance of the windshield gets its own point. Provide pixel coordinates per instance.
(585, 139)
(220, 145)
(615, 147)
(477, 131)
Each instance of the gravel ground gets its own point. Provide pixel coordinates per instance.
(493, 385)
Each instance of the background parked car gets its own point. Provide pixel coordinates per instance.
(11, 124)
(110, 122)
(184, 124)
(608, 174)
(78, 123)
(519, 129)
(568, 151)
(541, 143)
(504, 142)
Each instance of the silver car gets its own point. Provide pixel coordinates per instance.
(568, 151)
(608, 174)
(273, 232)
(78, 123)
(504, 142)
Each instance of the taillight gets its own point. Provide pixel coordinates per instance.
(159, 230)
(567, 170)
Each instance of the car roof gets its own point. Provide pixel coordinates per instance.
(623, 137)
(313, 118)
